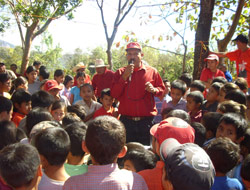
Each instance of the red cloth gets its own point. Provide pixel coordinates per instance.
(87, 80)
(197, 117)
(153, 177)
(134, 100)
(17, 117)
(208, 74)
(100, 82)
(241, 57)
(102, 111)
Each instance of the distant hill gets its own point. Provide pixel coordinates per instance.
(6, 44)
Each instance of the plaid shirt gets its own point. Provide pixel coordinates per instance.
(106, 177)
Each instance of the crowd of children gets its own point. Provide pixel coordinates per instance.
(55, 135)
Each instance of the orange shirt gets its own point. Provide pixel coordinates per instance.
(17, 117)
(102, 111)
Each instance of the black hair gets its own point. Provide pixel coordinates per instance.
(77, 133)
(13, 64)
(237, 96)
(54, 144)
(58, 73)
(106, 92)
(200, 133)
(78, 110)
(198, 85)
(241, 83)
(30, 69)
(67, 79)
(44, 73)
(20, 96)
(19, 164)
(216, 86)
(180, 85)
(228, 87)
(245, 168)
(187, 78)
(5, 105)
(42, 99)
(220, 80)
(211, 121)
(180, 114)
(20, 134)
(165, 111)
(7, 133)
(19, 81)
(36, 63)
(246, 142)
(197, 96)
(69, 118)
(42, 68)
(58, 105)
(4, 77)
(232, 106)
(224, 154)
(87, 85)
(80, 74)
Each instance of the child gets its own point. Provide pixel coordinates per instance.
(180, 114)
(58, 111)
(237, 96)
(178, 90)
(7, 133)
(68, 83)
(197, 85)
(75, 91)
(21, 100)
(78, 110)
(90, 106)
(227, 74)
(200, 133)
(5, 85)
(242, 84)
(33, 84)
(107, 108)
(6, 109)
(59, 76)
(211, 102)
(105, 141)
(233, 107)
(225, 89)
(20, 166)
(69, 118)
(245, 174)
(75, 160)
(53, 145)
(194, 103)
(43, 74)
(224, 154)
(20, 82)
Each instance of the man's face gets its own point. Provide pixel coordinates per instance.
(2, 68)
(100, 70)
(135, 55)
(13, 68)
(212, 64)
(80, 70)
(241, 45)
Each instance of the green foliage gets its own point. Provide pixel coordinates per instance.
(11, 55)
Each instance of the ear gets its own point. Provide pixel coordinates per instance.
(123, 152)
(39, 171)
(84, 147)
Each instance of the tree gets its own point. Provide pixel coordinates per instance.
(35, 16)
(122, 11)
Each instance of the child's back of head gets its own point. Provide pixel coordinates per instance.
(200, 133)
(180, 114)
(20, 82)
(241, 83)
(237, 96)
(7, 133)
(197, 85)
(187, 78)
(220, 80)
(5, 108)
(69, 118)
(231, 106)
(42, 99)
(245, 144)
(78, 110)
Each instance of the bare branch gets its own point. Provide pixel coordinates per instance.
(163, 50)
(125, 14)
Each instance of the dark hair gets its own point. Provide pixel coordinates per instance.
(224, 154)
(211, 121)
(13, 64)
(232, 106)
(67, 79)
(245, 168)
(86, 85)
(228, 87)
(4, 77)
(42, 99)
(237, 121)
(5, 105)
(246, 142)
(36, 63)
(106, 92)
(19, 81)
(219, 80)
(241, 83)
(77, 133)
(197, 97)
(198, 85)
(78, 110)
(187, 78)
(180, 85)
(69, 118)
(58, 105)
(19, 164)
(237, 96)
(200, 133)
(30, 69)
(216, 86)
(7, 133)
(20, 96)
(58, 73)
(42, 68)
(105, 138)
(80, 74)
(44, 73)
(54, 144)
(36, 115)
(165, 111)
(180, 114)
(20, 134)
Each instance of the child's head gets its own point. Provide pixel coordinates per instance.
(231, 106)
(245, 144)
(187, 78)
(219, 79)
(7, 133)
(52, 87)
(194, 101)
(53, 144)
(37, 64)
(69, 118)
(21, 100)
(213, 92)
(224, 154)
(86, 91)
(180, 114)
(59, 76)
(105, 140)
(20, 166)
(31, 74)
(43, 74)
(200, 133)
(237, 96)
(232, 126)
(165, 112)
(5, 82)
(20, 82)
(80, 77)
(42, 99)
(106, 99)
(58, 110)
(68, 81)
(6, 109)
(178, 89)
(225, 89)
(242, 84)
(244, 173)
(197, 85)
(78, 110)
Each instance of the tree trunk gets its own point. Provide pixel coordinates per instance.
(109, 56)
(202, 35)
(184, 58)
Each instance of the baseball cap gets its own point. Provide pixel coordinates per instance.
(51, 84)
(212, 57)
(133, 45)
(173, 127)
(242, 38)
(187, 165)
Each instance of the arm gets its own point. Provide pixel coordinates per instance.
(71, 99)
(219, 54)
(118, 85)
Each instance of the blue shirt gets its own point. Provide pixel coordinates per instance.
(76, 92)
(228, 76)
(226, 183)
(181, 105)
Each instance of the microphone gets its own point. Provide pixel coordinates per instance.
(130, 62)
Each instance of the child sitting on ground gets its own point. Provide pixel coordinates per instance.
(75, 91)
(194, 103)
(21, 100)
(6, 109)
(105, 141)
(245, 174)
(58, 111)
(225, 155)
(90, 106)
(107, 108)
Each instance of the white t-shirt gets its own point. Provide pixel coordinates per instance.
(49, 184)
(93, 107)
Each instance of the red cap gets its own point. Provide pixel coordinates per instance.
(133, 45)
(212, 57)
(173, 127)
(51, 84)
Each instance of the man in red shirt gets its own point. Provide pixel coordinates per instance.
(103, 77)
(135, 87)
(80, 67)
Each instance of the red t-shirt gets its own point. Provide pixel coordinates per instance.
(208, 74)
(102, 111)
(17, 117)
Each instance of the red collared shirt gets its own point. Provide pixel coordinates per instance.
(102, 111)
(134, 100)
(100, 82)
